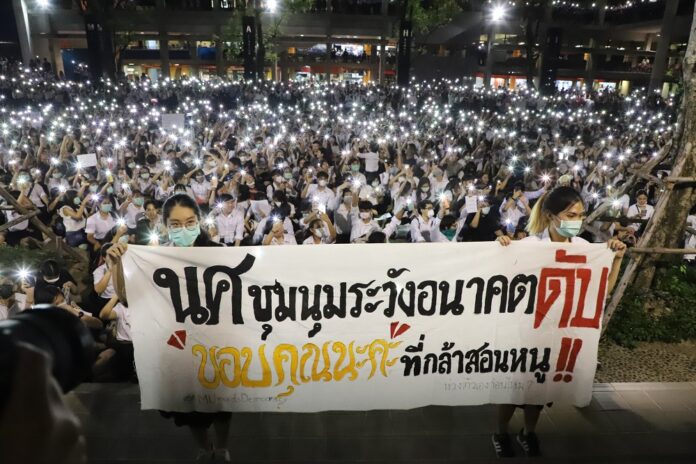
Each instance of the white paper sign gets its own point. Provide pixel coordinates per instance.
(360, 327)
(88, 160)
(471, 204)
(173, 121)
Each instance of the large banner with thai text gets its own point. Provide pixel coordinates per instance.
(360, 327)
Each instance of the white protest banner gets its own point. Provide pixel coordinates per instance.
(360, 327)
(173, 121)
(88, 160)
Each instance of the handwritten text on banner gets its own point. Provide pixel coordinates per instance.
(359, 327)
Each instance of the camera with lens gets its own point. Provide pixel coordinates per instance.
(61, 335)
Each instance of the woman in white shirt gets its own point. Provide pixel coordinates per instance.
(424, 225)
(321, 231)
(73, 213)
(100, 223)
(556, 217)
(277, 235)
(640, 210)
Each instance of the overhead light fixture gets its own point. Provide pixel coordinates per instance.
(498, 13)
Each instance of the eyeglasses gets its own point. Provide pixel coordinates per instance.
(190, 226)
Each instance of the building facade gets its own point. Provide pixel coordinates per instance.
(338, 40)
(596, 44)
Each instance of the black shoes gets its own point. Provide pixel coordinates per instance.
(504, 449)
(529, 443)
(502, 445)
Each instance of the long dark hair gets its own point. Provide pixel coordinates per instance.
(551, 203)
(185, 201)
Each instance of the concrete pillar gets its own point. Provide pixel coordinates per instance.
(385, 7)
(23, 29)
(283, 59)
(195, 61)
(488, 72)
(56, 58)
(164, 54)
(219, 52)
(543, 29)
(591, 65)
(163, 41)
(660, 63)
(382, 60)
(327, 69)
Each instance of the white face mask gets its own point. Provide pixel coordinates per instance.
(322, 183)
(431, 213)
(364, 215)
(321, 233)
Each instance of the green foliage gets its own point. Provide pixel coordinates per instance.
(665, 314)
(427, 16)
(14, 258)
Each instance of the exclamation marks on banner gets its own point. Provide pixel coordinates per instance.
(570, 348)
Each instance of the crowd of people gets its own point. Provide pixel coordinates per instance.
(203, 163)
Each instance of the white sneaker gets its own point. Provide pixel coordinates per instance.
(221, 455)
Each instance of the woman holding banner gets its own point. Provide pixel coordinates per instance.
(556, 217)
(182, 218)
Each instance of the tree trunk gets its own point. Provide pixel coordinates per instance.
(666, 229)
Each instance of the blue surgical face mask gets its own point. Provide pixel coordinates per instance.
(77, 201)
(106, 208)
(569, 229)
(183, 236)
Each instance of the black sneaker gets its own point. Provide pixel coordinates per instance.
(529, 443)
(503, 445)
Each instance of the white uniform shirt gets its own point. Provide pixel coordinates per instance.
(71, 225)
(545, 237)
(324, 196)
(420, 229)
(132, 212)
(97, 275)
(371, 161)
(230, 227)
(635, 211)
(123, 323)
(359, 228)
(98, 226)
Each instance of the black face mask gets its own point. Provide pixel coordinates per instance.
(6, 291)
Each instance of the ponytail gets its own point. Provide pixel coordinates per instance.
(538, 221)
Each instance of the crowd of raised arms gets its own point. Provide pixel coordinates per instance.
(304, 163)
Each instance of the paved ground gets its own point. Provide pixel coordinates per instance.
(625, 423)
